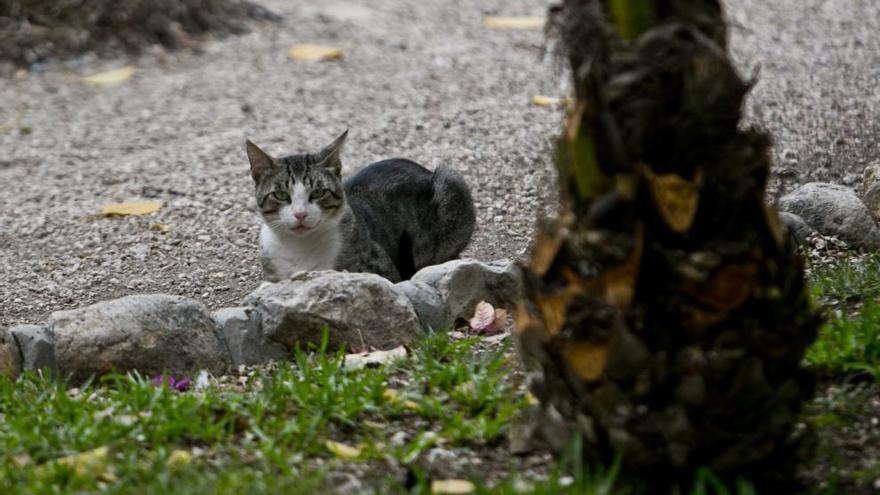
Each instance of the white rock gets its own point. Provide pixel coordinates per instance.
(148, 333)
(834, 210)
(359, 310)
(462, 284)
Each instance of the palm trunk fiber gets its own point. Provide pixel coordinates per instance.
(666, 313)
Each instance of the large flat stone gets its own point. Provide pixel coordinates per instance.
(147, 333)
(360, 310)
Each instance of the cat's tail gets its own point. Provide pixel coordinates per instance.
(455, 216)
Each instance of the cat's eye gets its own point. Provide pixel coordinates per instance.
(318, 194)
(281, 196)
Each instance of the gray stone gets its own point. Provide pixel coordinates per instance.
(464, 283)
(871, 189)
(428, 303)
(870, 176)
(795, 227)
(10, 356)
(360, 310)
(242, 329)
(834, 210)
(37, 346)
(147, 333)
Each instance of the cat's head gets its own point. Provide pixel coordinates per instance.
(299, 194)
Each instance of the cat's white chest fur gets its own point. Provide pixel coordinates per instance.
(286, 254)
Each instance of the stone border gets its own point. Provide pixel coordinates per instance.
(159, 333)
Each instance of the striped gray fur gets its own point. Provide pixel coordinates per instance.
(392, 218)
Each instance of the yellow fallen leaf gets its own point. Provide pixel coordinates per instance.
(342, 451)
(532, 23)
(308, 51)
(452, 487)
(159, 227)
(90, 464)
(390, 394)
(178, 459)
(549, 101)
(113, 77)
(531, 399)
(587, 360)
(131, 208)
(676, 197)
(411, 405)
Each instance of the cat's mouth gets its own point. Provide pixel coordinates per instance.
(301, 229)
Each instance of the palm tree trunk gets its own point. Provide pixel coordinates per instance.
(666, 314)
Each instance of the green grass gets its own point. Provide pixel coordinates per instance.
(255, 438)
(269, 435)
(123, 435)
(849, 344)
(850, 340)
(849, 281)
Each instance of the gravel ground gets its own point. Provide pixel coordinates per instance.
(422, 80)
(818, 89)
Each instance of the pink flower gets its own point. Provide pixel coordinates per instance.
(181, 385)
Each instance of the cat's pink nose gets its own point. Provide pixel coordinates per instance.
(299, 215)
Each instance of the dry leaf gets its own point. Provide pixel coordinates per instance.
(308, 51)
(159, 227)
(391, 394)
(549, 238)
(676, 198)
(452, 487)
(113, 77)
(552, 307)
(178, 459)
(524, 320)
(619, 283)
(531, 399)
(549, 101)
(487, 319)
(587, 360)
(730, 287)
(373, 359)
(530, 23)
(484, 316)
(342, 451)
(90, 464)
(131, 208)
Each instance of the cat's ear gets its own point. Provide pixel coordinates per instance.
(330, 155)
(261, 162)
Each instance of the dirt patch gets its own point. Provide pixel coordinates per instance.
(34, 30)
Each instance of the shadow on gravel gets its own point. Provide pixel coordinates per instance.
(35, 30)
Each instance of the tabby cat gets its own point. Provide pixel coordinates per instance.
(391, 218)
